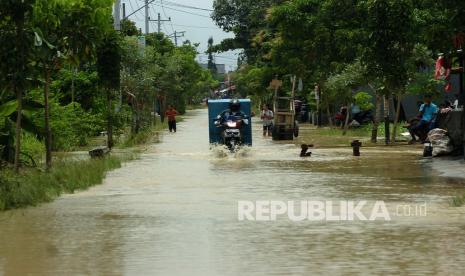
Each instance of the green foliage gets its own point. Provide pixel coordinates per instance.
(458, 201)
(387, 42)
(211, 62)
(86, 87)
(390, 27)
(245, 18)
(71, 125)
(109, 61)
(32, 147)
(8, 115)
(364, 101)
(33, 187)
(339, 88)
(254, 81)
(129, 28)
(424, 84)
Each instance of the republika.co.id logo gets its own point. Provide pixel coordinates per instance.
(323, 211)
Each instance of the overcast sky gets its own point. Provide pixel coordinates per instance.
(196, 22)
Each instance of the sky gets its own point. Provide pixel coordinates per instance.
(197, 24)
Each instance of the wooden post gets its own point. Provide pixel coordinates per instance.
(276, 84)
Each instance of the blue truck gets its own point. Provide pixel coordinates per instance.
(217, 130)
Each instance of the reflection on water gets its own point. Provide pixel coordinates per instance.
(174, 212)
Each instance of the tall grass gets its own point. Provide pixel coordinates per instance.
(458, 201)
(32, 187)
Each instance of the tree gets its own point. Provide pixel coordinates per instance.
(64, 30)
(50, 41)
(388, 46)
(341, 87)
(211, 60)
(129, 28)
(420, 79)
(108, 67)
(438, 21)
(244, 18)
(83, 26)
(15, 51)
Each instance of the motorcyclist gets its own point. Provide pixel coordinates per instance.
(234, 113)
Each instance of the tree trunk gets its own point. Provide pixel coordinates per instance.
(162, 109)
(138, 120)
(48, 131)
(73, 85)
(330, 119)
(346, 123)
(109, 120)
(18, 88)
(386, 119)
(19, 97)
(396, 119)
(377, 119)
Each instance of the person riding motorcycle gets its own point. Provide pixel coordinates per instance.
(234, 113)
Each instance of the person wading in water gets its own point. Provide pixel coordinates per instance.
(171, 114)
(267, 117)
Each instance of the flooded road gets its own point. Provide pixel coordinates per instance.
(174, 212)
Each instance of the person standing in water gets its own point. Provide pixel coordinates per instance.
(171, 114)
(267, 117)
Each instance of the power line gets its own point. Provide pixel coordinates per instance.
(196, 27)
(164, 11)
(191, 13)
(223, 57)
(134, 13)
(186, 6)
(164, 28)
(169, 3)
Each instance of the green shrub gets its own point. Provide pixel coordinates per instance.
(34, 186)
(31, 146)
(71, 126)
(364, 101)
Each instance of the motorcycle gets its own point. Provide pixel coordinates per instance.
(232, 131)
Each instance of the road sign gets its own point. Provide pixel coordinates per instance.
(276, 83)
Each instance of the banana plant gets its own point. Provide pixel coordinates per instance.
(8, 116)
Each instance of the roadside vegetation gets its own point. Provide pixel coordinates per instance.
(31, 186)
(458, 201)
(66, 78)
(341, 47)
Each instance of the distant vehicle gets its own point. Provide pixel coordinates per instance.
(285, 126)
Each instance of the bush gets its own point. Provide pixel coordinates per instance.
(364, 101)
(34, 186)
(32, 147)
(71, 125)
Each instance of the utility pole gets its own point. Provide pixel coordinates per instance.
(177, 35)
(147, 18)
(117, 15)
(159, 21)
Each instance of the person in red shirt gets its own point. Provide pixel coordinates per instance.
(171, 114)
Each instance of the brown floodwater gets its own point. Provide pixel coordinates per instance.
(174, 212)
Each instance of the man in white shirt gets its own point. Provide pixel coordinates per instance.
(267, 117)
